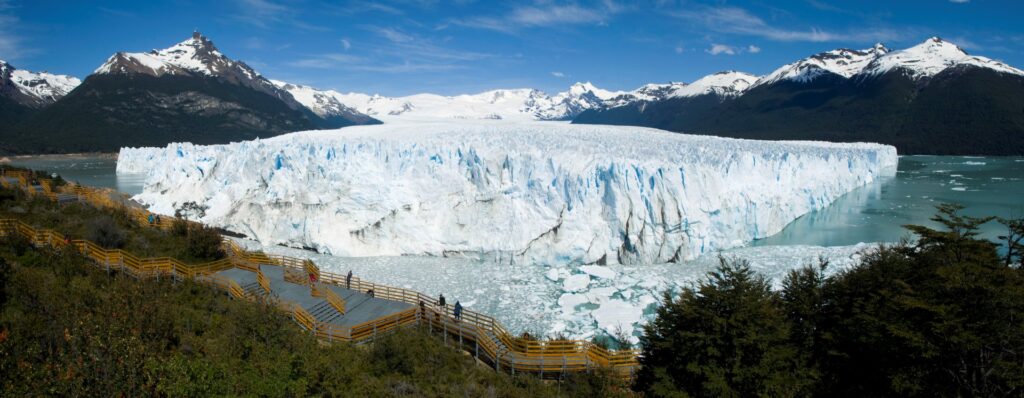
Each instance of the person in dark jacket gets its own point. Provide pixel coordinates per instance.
(458, 311)
(348, 280)
(440, 301)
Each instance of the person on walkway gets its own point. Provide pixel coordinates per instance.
(440, 301)
(458, 311)
(157, 220)
(369, 292)
(150, 219)
(348, 280)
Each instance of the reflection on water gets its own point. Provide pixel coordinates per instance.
(92, 170)
(877, 212)
(873, 213)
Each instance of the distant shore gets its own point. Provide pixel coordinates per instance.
(106, 155)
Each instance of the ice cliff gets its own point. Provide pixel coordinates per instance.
(524, 192)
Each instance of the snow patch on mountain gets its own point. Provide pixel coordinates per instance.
(521, 192)
(724, 84)
(37, 88)
(932, 57)
(323, 103)
(841, 62)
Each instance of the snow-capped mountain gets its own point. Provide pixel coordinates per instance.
(507, 104)
(322, 103)
(511, 104)
(723, 84)
(34, 89)
(197, 56)
(841, 62)
(932, 98)
(931, 58)
(190, 91)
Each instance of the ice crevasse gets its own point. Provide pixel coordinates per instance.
(521, 192)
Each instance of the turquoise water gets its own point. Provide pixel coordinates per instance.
(873, 213)
(877, 212)
(96, 171)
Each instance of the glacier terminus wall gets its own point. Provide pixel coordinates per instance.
(518, 192)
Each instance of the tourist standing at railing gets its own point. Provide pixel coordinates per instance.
(348, 280)
(441, 303)
(150, 219)
(458, 311)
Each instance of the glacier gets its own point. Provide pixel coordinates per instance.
(508, 192)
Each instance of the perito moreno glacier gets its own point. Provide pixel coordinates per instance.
(527, 192)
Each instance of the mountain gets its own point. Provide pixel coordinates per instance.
(932, 98)
(22, 92)
(187, 92)
(506, 104)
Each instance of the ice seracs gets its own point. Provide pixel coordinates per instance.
(523, 192)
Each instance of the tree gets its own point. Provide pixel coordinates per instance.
(1014, 240)
(959, 235)
(726, 337)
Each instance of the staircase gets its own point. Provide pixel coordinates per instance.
(255, 291)
(324, 312)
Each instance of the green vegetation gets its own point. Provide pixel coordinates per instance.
(941, 317)
(112, 228)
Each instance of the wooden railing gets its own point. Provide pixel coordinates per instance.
(491, 339)
(330, 296)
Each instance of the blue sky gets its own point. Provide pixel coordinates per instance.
(402, 47)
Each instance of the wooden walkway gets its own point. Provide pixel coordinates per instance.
(322, 303)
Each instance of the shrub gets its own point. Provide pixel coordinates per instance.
(179, 227)
(17, 243)
(204, 243)
(103, 231)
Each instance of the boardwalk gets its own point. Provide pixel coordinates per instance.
(322, 303)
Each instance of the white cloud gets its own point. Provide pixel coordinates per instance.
(736, 20)
(557, 74)
(679, 49)
(544, 14)
(717, 49)
(345, 43)
(753, 49)
(394, 35)
(264, 13)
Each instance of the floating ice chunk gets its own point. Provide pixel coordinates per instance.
(617, 316)
(971, 163)
(554, 274)
(599, 271)
(576, 282)
(960, 189)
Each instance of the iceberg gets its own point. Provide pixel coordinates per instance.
(511, 192)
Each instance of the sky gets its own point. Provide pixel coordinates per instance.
(403, 47)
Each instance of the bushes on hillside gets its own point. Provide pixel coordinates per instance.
(941, 317)
(104, 232)
(204, 243)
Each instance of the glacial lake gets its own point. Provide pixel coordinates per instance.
(873, 213)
